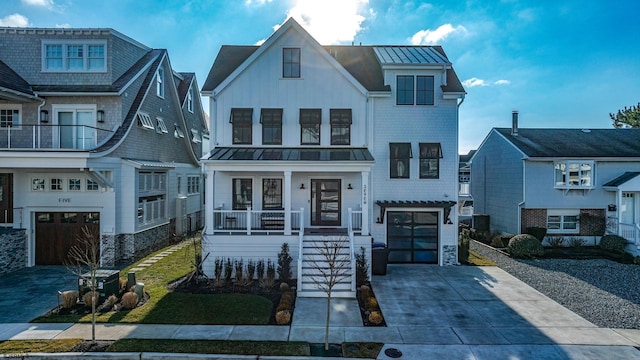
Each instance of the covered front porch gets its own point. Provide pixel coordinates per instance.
(625, 213)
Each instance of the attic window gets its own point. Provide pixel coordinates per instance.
(178, 133)
(162, 127)
(145, 121)
(195, 136)
(291, 62)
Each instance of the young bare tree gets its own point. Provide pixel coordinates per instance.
(331, 265)
(84, 258)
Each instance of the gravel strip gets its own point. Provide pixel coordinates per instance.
(602, 291)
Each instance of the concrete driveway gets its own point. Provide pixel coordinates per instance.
(28, 293)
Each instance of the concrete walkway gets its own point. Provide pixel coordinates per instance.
(435, 312)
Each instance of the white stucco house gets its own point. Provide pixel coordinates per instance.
(574, 182)
(311, 140)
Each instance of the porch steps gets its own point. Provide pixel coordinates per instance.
(314, 264)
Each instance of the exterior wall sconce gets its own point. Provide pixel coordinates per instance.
(349, 187)
(302, 186)
(100, 116)
(44, 116)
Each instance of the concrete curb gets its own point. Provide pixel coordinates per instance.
(152, 355)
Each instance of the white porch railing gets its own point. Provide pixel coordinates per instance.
(300, 250)
(355, 220)
(248, 221)
(466, 211)
(631, 232)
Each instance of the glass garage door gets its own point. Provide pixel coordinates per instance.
(412, 237)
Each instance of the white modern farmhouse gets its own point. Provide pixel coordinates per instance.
(353, 141)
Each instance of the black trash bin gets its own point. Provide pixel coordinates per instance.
(379, 258)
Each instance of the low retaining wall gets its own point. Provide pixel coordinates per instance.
(14, 250)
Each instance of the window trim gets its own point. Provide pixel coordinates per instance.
(56, 109)
(242, 118)
(566, 184)
(144, 120)
(12, 107)
(293, 64)
(430, 91)
(160, 76)
(264, 194)
(341, 119)
(405, 91)
(38, 184)
(193, 184)
(64, 56)
(69, 181)
(177, 132)
(190, 100)
(161, 126)
(195, 136)
(58, 182)
(310, 117)
(562, 213)
(271, 119)
(425, 155)
(235, 205)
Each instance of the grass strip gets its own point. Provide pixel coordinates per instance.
(479, 260)
(272, 348)
(31, 346)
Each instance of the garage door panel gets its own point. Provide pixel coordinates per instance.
(57, 232)
(425, 256)
(412, 237)
(400, 256)
(425, 244)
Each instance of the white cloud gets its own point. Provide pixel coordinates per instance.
(63, 26)
(331, 21)
(41, 3)
(431, 37)
(15, 20)
(256, 2)
(502, 82)
(473, 82)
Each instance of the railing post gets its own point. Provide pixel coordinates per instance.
(249, 221)
(300, 259)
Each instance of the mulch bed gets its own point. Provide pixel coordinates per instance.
(364, 312)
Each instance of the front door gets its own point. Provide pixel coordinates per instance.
(325, 202)
(6, 198)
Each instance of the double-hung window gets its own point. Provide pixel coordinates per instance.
(271, 120)
(242, 194)
(418, 90)
(399, 160)
(271, 194)
(563, 221)
(430, 155)
(10, 116)
(152, 192)
(340, 120)
(310, 120)
(574, 174)
(193, 184)
(241, 120)
(291, 62)
(74, 56)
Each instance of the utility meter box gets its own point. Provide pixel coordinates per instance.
(107, 283)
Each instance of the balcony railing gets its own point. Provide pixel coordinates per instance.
(54, 137)
(258, 221)
(355, 220)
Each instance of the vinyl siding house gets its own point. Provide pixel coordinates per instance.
(311, 141)
(96, 130)
(574, 182)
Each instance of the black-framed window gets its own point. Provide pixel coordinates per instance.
(291, 62)
(340, 120)
(271, 120)
(399, 160)
(424, 90)
(241, 120)
(272, 194)
(430, 155)
(242, 194)
(404, 90)
(310, 120)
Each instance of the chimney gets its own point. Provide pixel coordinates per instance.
(514, 123)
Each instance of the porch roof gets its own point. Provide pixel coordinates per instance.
(445, 205)
(620, 180)
(290, 154)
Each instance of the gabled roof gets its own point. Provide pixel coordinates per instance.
(622, 179)
(575, 143)
(363, 63)
(10, 80)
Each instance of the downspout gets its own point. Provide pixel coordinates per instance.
(524, 185)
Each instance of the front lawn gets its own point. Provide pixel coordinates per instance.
(166, 307)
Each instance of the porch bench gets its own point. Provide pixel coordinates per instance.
(272, 221)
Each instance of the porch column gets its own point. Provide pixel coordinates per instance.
(286, 194)
(365, 202)
(208, 202)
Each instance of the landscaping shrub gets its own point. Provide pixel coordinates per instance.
(525, 246)
(613, 243)
(555, 241)
(217, 272)
(69, 299)
(129, 300)
(538, 232)
(576, 242)
(89, 297)
(375, 317)
(284, 287)
(636, 260)
(464, 240)
(260, 270)
(251, 270)
(228, 270)
(362, 268)
(239, 266)
(497, 242)
(371, 304)
(283, 317)
(270, 279)
(284, 263)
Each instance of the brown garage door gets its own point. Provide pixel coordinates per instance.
(57, 232)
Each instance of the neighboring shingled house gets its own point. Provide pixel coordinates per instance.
(574, 182)
(313, 140)
(96, 130)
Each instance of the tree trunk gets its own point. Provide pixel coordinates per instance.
(326, 329)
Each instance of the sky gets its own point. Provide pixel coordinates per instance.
(561, 64)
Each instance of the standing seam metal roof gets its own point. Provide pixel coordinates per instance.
(409, 55)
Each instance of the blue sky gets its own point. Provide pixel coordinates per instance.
(560, 63)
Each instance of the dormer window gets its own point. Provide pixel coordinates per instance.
(418, 90)
(291, 62)
(574, 174)
(74, 56)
